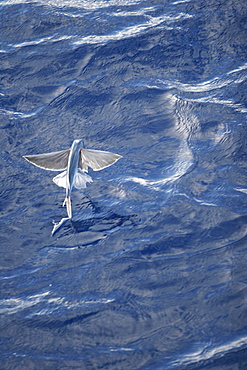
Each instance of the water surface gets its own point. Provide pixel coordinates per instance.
(151, 272)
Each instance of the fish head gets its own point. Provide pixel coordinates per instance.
(78, 143)
(81, 143)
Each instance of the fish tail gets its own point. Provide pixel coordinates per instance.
(67, 201)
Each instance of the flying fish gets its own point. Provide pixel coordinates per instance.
(74, 163)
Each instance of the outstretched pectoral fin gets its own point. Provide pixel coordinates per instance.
(56, 161)
(60, 180)
(96, 159)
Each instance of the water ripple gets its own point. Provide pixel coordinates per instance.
(132, 31)
(20, 115)
(185, 123)
(209, 352)
(11, 306)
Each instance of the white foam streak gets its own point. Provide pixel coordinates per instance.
(121, 349)
(228, 103)
(208, 91)
(181, 2)
(207, 354)
(138, 12)
(84, 4)
(32, 42)
(43, 40)
(203, 203)
(22, 115)
(131, 30)
(13, 305)
(243, 190)
(239, 69)
(216, 83)
(213, 84)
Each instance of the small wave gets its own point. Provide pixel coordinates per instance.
(85, 4)
(185, 123)
(236, 76)
(151, 21)
(215, 100)
(20, 273)
(209, 85)
(132, 30)
(32, 42)
(127, 13)
(239, 69)
(184, 162)
(40, 41)
(13, 305)
(90, 5)
(181, 2)
(120, 349)
(206, 353)
(22, 115)
(242, 190)
(211, 91)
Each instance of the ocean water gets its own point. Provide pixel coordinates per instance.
(151, 273)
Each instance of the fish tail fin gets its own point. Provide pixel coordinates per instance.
(67, 201)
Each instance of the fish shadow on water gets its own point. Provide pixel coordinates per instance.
(96, 221)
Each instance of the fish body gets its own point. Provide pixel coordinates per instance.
(74, 163)
(71, 173)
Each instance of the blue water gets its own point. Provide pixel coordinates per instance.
(152, 271)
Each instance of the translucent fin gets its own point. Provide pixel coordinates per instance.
(56, 161)
(68, 206)
(58, 225)
(60, 180)
(96, 159)
(81, 179)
